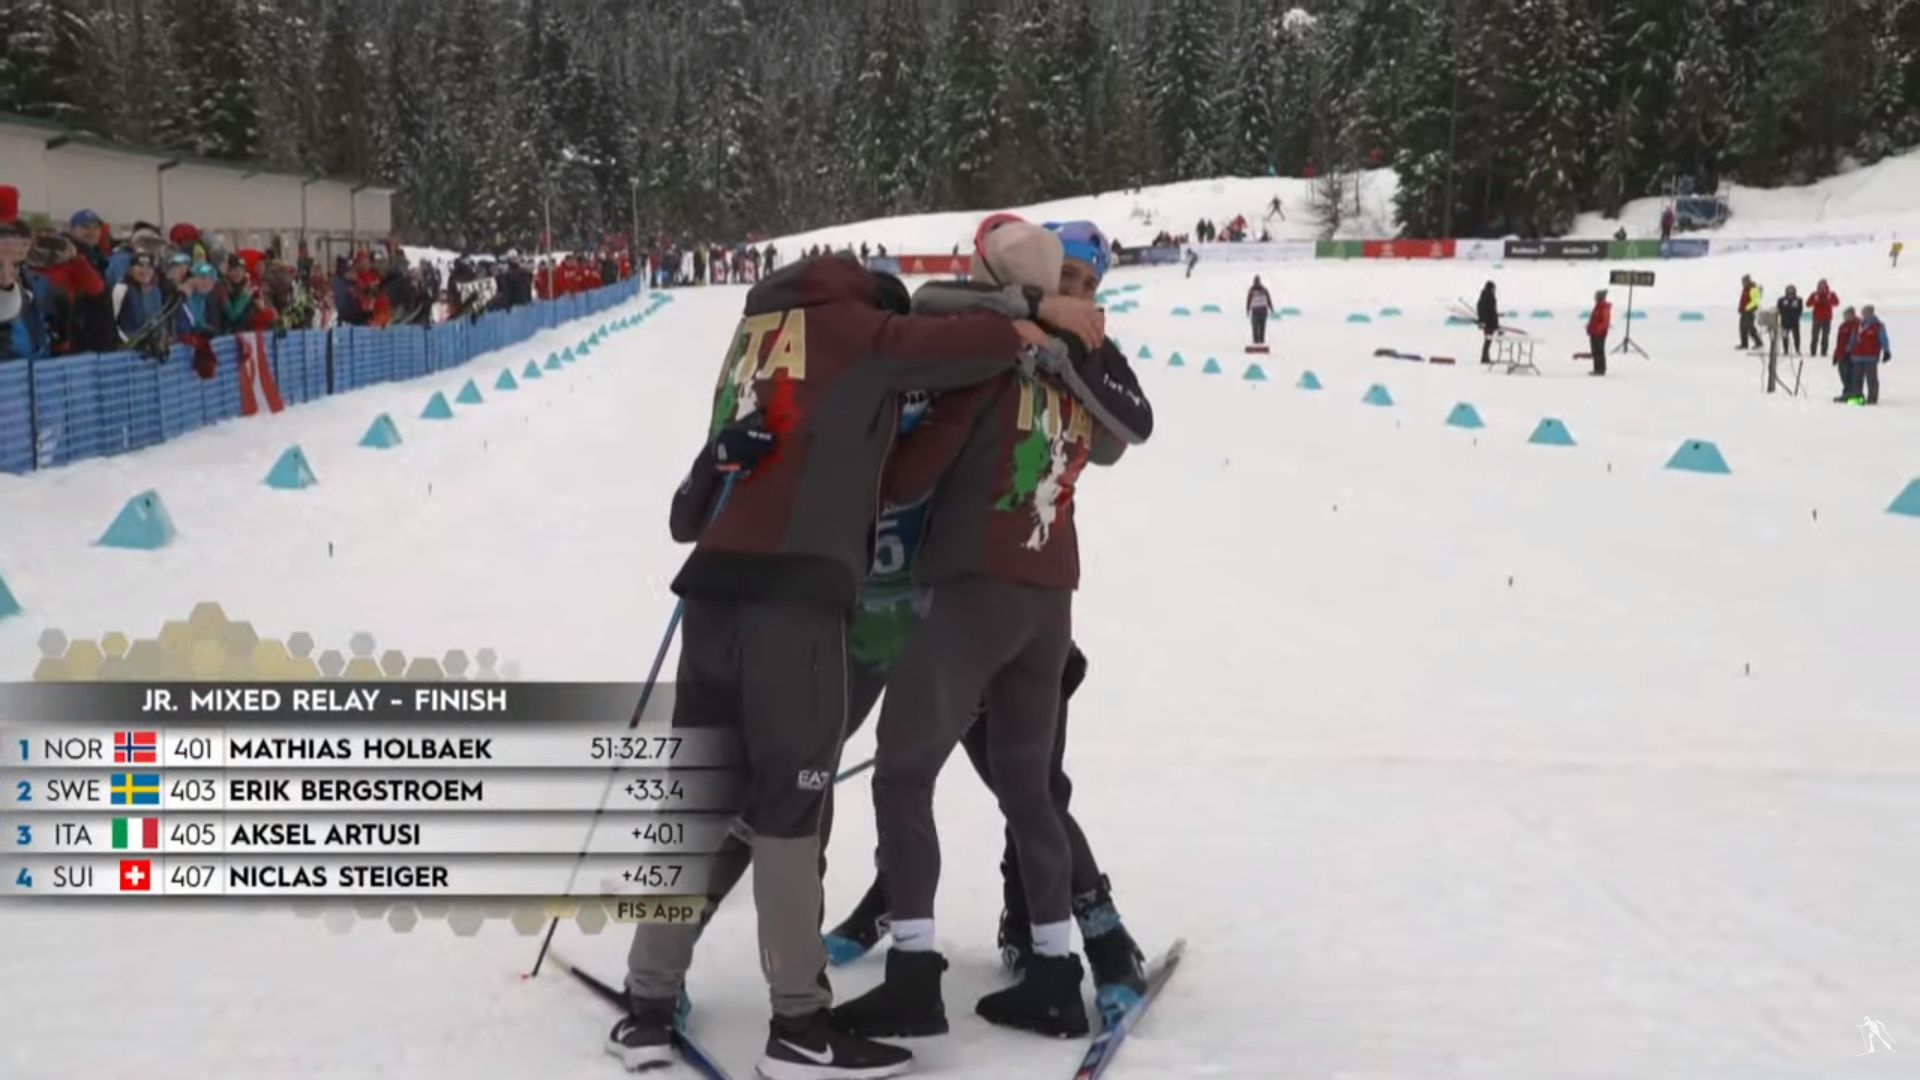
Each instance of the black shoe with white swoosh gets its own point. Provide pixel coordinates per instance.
(808, 1048)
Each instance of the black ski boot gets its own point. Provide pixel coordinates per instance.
(1045, 1000)
(1016, 941)
(862, 929)
(810, 1048)
(905, 1005)
(643, 1039)
(1119, 971)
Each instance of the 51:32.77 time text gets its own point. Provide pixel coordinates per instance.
(662, 748)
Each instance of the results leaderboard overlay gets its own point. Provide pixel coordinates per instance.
(383, 790)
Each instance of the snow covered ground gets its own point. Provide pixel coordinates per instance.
(1452, 756)
(1878, 200)
(1134, 217)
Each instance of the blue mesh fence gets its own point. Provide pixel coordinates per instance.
(66, 409)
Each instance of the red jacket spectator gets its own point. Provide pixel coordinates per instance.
(1843, 340)
(1601, 321)
(1821, 302)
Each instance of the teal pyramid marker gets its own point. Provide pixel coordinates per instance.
(1210, 309)
(1389, 312)
(1551, 432)
(1181, 312)
(1907, 502)
(1692, 316)
(1176, 360)
(1132, 286)
(1255, 373)
(291, 472)
(1359, 317)
(143, 525)
(1541, 313)
(568, 355)
(1145, 353)
(8, 605)
(469, 394)
(553, 361)
(1308, 381)
(382, 435)
(437, 408)
(1466, 416)
(1698, 455)
(1377, 395)
(1211, 367)
(506, 380)
(531, 371)
(1289, 312)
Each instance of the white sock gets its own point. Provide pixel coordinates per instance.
(1053, 939)
(913, 935)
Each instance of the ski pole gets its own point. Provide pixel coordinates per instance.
(852, 771)
(646, 694)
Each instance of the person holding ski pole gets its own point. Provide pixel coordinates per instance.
(893, 607)
(820, 360)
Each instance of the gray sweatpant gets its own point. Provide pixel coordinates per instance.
(1008, 642)
(777, 672)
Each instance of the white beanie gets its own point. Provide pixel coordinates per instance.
(1020, 253)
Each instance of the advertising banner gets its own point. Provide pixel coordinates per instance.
(1619, 250)
(1160, 256)
(942, 265)
(1272, 251)
(1683, 249)
(1480, 250)
(1407, 249)
(1557, 249)
(1339, 249)
(1737, 244)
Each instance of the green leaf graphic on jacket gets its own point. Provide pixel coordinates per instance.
(1048, 459)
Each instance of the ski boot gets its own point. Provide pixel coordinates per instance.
(1015, 941)
(811, 1048)
(1119, 971)
(905, 1005)
(862, 929)
(1046, 1000)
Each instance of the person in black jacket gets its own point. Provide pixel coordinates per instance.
(1790, 307)
(1487, 313)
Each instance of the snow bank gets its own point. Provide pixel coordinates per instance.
(1880, 200)
(1135, 215)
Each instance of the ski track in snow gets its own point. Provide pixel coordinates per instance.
(1416, 821)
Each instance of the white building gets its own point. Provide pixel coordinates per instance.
(235, 205)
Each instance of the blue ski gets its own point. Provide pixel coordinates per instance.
(691, 1052)
(1106, 1045)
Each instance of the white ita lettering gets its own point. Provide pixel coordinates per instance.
(810, 780)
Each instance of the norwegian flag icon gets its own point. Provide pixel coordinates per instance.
(136, 748)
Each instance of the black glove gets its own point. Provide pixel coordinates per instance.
(739, 446)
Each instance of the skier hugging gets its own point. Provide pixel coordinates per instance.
(972, 410)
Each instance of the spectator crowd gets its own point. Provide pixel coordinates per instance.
(82, 289)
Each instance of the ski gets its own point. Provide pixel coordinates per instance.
(690, 1051)
(1106, 1045)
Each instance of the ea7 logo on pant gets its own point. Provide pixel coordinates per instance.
(813, 780)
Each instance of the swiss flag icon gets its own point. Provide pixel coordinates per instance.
(136, 875)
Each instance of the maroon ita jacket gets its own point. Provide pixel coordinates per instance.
(823, 353)
(1003, 460)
